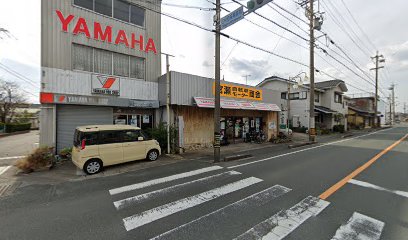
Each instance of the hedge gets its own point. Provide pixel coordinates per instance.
(16, 127)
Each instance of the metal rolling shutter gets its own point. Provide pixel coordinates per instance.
(70, 117)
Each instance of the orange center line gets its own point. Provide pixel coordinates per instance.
(342, 182)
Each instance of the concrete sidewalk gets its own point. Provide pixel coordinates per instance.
(66, 171)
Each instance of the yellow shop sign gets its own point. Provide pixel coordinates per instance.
(234, 91)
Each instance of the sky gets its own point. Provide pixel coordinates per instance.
(358, 29)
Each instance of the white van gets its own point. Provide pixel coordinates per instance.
(104, 145)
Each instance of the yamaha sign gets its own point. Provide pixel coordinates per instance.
(107, 85)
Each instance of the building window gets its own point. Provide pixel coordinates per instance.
(137, 67)
(103, 61)
(120, 65)
(284, 95)
(88, 4)
(317, 97)
(298, 95)
(121, 10)
(137, 15)
(104, 7)
(337, 98)
(82, 58)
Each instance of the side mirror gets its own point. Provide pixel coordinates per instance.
(140, 139)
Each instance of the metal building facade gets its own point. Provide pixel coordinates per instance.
(63, 87)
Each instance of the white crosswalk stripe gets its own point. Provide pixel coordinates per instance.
(360, 227)
(162, 180)
(3, 169)
(136, 199)
(254, 200)
(281, 224)
(278, 226)
(154, 214)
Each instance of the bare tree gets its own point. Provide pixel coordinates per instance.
(10, 98)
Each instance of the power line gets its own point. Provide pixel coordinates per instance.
(337, 22)
(16, 75)
(335, 7)
(188, 6)
(290, 20)
(277, 24)
(358, 25)
(243, 42)
(287, 11)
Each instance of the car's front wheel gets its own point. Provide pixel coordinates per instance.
(153, 155)
(93, 166)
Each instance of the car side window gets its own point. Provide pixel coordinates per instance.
(131, 136)
(91, 138)
(107, 137)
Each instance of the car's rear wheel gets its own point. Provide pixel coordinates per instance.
(152, 155)
(93, 166)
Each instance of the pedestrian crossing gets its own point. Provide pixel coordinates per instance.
(166, 197)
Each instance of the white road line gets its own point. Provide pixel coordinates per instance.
(154, 214)
(281, 224)
(372, 186)
(14, 157)
(360, 227)
(4, 169)
(162, 180)
(131, 200)
(303, 150)
(270, 193)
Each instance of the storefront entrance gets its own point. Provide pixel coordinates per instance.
(236, 129)
(135, 117)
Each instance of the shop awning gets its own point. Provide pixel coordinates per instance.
(324, 110)
(233, 104)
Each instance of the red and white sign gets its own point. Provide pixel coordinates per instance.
(105, 34)
(107, 85)
(231, 104)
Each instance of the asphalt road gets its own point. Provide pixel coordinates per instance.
(276, 195)
(17, 145)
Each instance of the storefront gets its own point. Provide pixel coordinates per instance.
(244, 110)
(99, 66)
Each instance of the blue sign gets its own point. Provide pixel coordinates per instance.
(232, 18)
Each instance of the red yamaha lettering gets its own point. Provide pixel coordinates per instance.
(121, 38)
(105, 34)
(81, 27)
(102, 35)
(138, 42)
(150, 46)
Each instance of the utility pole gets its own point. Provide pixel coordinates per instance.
(393, 103)
(288, 107)
(312, 132)
(405, 108)
(168, 99)
(246, 78)
(378, 58)
(217, 102)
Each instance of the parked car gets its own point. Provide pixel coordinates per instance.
(103, 145)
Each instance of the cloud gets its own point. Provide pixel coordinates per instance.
(256, 68)
(207, 64)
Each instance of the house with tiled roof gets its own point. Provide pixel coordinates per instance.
(330, 103)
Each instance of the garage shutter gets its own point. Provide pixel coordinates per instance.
(70, 117)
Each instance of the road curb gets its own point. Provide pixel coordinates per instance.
(300, 144)
(237, 157)
(14, 133)
(347, 135)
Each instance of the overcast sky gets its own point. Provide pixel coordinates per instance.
(381, 26)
